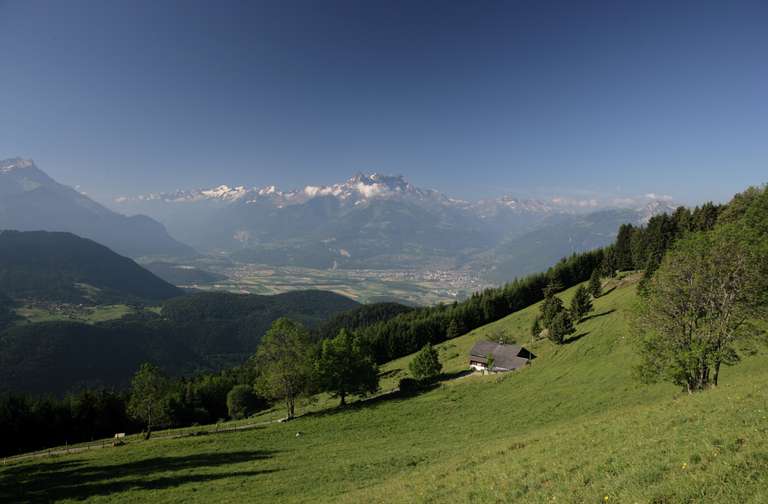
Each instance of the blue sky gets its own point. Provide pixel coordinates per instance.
(472, 98)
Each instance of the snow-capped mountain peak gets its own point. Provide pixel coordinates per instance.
(13, 164)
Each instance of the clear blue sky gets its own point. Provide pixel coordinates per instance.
(473, 98)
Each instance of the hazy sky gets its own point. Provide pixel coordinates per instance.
(475, 98)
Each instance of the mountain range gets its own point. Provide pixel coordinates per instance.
(383, 221)
(30, 200)
(370, 221)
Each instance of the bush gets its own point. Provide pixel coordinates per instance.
(426, 365)
(242, 402)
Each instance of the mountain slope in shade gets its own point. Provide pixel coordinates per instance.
(206, 331)
(30, 200)
(64, 267)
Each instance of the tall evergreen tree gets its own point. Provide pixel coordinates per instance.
(536, 327)
(595, 286)
(552, 305)
(561, 326)
(581, 304)
(623, 248)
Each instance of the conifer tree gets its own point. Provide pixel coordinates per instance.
(595, 287)
(561, 326)
(581, 304)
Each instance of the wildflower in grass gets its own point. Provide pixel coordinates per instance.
(685, 465)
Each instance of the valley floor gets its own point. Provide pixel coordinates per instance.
(574, 427)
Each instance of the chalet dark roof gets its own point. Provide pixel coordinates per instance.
(505, 357)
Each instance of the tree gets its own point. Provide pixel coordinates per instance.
(552, 305)
(490, 362)
(536, 327)
(284, 357)
(698, 303)
(595, 286)
(454, 329)
(426, 365)
(242, 402)
(346, 367)
(623, 248)
(148, 401)
(581, 304)
(561, 326)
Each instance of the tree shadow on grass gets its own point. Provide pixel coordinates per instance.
(596, 315)
(76, 479)
(390, 373)
(372, 401)
(574, 339)
(455, 375)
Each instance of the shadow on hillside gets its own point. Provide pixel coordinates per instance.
(455, 375)
(596, 315)
(390, 373)
(605, 293)
(574, 339)
(375, 401)
(76, 479)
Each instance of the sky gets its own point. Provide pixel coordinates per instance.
(476, 99)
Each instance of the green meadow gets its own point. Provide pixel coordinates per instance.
(573, 427)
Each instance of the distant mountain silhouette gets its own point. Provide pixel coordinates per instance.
(30, 200)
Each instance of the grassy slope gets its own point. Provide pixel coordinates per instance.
(91, 315)
(573, 428)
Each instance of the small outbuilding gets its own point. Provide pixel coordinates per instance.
(503, 357)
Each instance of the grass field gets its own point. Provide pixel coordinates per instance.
(366, 286)
(88, 314)
(574, 427)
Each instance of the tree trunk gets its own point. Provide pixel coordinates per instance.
(149, 424)
(343, 399)
(717, 373)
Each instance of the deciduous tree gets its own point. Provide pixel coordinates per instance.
(284, 358)
(426, 365)
(149, 401)
(708, 287)
(345, 367)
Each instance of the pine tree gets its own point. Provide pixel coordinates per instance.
(561, 326)
(581, 304)
(454, 329)
(552, 305)
(536, 327)
(595, 286)
(623, 248)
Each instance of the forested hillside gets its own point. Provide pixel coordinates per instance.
(194, 333)
(66, 268)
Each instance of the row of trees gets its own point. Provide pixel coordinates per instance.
(556, 318)
(408, 332)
